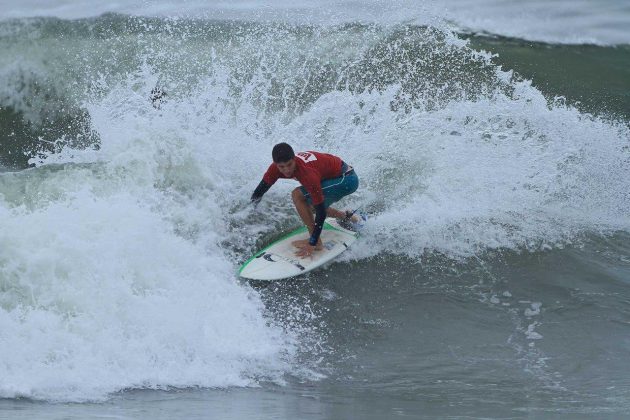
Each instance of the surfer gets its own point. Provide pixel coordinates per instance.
(325, 179)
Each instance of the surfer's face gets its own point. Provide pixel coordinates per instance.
(287, 168)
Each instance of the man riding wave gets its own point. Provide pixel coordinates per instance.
(325, 179)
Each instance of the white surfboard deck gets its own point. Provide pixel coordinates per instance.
(278, 261)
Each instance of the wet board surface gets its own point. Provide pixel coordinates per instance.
(277, 260)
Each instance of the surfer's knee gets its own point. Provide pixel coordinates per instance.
(298, 195)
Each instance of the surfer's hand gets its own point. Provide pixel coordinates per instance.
(305, 251)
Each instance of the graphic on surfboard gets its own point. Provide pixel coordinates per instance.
(277, 260)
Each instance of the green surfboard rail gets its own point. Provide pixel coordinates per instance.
(288, 235)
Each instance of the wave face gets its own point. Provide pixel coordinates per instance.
(124, 219)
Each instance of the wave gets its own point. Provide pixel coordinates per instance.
(399, 102)
(120, 247)
(588, 22)
(98, 295)
(560, 22)
(568, 71)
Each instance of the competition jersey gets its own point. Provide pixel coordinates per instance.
(311, 168)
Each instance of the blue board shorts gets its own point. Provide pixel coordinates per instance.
(337, 188)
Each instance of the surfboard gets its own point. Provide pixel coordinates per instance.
(277, 260)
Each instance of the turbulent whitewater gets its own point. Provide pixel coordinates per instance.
(123, 220)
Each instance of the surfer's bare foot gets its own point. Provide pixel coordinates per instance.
(304, 242)
(300, 243)
(307, 250)
(351, 216)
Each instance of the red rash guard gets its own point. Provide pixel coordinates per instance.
(310, 169)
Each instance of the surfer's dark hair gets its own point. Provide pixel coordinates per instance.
(282, 152)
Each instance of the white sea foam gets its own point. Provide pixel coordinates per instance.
(100, 296)
(534, 310)
(491, 173)
(112, 272)
(531, 334)
(118, 263)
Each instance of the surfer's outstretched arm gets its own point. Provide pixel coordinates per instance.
(260, 190)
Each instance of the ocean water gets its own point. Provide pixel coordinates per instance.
(492, 140)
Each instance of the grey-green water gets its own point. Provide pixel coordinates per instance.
(435, 339)
(492, 279)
